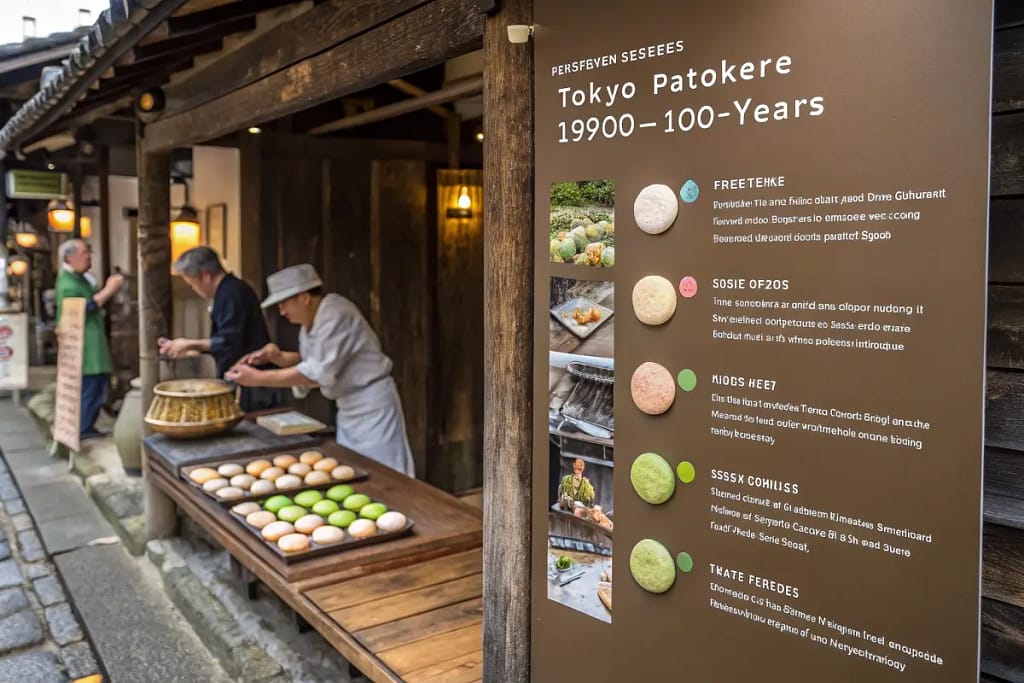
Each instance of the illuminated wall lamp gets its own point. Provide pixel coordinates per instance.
(184, 232)
(464, 205)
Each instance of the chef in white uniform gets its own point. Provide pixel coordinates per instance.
(339, 353)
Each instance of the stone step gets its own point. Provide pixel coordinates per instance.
(201, 582)
(136, 631)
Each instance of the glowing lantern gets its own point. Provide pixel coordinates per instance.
(61, 214)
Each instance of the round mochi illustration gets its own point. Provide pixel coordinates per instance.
(653, 388)
(655, 209)
(652, 478)
(654, 300)
(652, 566)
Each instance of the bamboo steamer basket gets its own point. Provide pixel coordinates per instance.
(192, 408)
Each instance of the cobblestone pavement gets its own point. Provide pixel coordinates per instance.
(41, 639)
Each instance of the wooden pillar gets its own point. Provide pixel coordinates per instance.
(154, 171)
(103, 229)
(76, 191)
(508, 345)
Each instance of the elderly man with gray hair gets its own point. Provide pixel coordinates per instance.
(75, 281)
(237, 325)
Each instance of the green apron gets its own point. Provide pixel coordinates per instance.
(95, 352)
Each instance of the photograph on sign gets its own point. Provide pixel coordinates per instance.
(583, 223)
(581, 445)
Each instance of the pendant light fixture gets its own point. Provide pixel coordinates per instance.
(185, 233)
(24, 236)
(17, 266)
(61, 215)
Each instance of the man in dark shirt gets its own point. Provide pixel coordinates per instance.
(237, 325)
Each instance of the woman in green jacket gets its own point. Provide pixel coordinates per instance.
(75, 281)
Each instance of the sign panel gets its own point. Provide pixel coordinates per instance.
(13, 351)
(760, 313)
(71, 329)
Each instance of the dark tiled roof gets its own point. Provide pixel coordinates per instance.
(9, 50)
(95, 42)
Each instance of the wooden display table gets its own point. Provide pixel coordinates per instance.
(403, 610)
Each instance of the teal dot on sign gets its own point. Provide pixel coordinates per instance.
(687, 380)
(685, 562)
(686, 472)
(689, 192)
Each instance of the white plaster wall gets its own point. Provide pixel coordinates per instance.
(215, 180)
(124, 192)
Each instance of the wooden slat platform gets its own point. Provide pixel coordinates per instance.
(425, 622)
(406, 610)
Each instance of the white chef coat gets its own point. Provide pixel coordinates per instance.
(341, 353)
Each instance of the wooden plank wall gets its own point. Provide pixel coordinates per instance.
(403, 296)
(459, 322)
(362, 212)
(1002, 636)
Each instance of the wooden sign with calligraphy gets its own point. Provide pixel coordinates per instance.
(69, 373)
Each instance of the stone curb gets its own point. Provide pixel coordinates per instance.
(220, 633)
(102, 488)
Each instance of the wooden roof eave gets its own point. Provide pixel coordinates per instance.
(117, 31)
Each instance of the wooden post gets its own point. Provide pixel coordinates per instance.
(154, 307)
(508, 344)
(76, 191)
(103, 229)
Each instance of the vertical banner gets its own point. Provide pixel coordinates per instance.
(760, 311)
(13, 351)
(71, 330)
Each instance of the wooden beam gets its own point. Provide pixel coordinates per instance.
(508, 345)
(402, 85)
(419, 39)
(455, 91)
(192, 42)
(310, 33)
(196, 15)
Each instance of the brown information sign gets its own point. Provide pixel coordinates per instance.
(69, 373)
(760, 313)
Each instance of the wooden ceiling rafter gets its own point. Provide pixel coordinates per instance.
(457, 90)
(301, 37)
(413, 90)
(429, 35)
(224, 11)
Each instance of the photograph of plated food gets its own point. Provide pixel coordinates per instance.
(314, 521)
(581, 426)
(266, 475)
(582, 316)
(582, 223)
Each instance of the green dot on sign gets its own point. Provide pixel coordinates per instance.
(685, 562)
(686, 472)
(687, 380)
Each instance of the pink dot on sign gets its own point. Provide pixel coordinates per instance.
(688, 287)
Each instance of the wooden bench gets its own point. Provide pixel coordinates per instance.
(406, 610)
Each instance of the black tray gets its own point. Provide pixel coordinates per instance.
(360, 474)
(321, 550)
